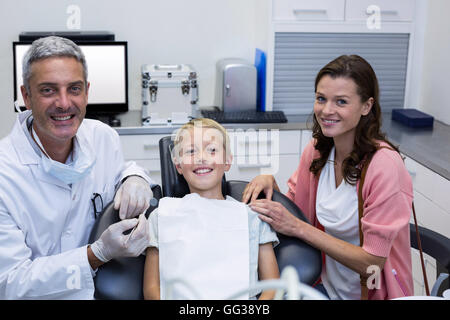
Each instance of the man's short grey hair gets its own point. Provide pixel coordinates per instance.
(50, 47)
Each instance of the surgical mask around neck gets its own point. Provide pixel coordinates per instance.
(16, 106)
(81, 166)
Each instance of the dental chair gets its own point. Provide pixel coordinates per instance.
(438, 247)
(306, 259)
(121, 278)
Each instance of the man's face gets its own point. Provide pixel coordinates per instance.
(58, 97)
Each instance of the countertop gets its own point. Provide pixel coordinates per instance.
(429, 147)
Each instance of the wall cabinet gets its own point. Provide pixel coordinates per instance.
(341, 10)
(398, 11)
(305, 35)
(291, 10)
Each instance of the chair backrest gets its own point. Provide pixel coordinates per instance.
(291, 251)
(437, 246)
(122, 278)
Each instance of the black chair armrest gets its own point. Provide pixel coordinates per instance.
(122, 278)
(433, 244)
(306, 259)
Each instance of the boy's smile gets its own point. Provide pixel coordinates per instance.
(203, 170)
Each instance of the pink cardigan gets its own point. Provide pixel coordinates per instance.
(387, 196)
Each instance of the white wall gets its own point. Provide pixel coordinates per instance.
(196, 32)
(436, 61)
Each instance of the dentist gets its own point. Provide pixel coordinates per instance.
(56, 171)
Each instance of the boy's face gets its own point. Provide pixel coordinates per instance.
(202, 160)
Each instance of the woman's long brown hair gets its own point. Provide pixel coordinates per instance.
(368, 132)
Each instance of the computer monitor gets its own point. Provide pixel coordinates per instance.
(107, 74)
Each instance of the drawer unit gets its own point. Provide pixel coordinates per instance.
(306, 137)
(342, 10)
(264, 142)
(430, 267)
(254, 152)
(301, 10)
(153, 167)
(282, 167)
(398, 10)
(430, 215)
(144, 150)
(430, 184)
(431, 202)
(144, 146)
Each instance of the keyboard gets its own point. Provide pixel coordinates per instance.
(245, 116)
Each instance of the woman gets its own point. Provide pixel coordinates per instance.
(346, 135)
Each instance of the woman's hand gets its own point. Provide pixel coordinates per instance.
(264, 182)
(275, 214)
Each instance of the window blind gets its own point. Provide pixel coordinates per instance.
(299, 56)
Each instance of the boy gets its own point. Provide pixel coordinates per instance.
(192, 241)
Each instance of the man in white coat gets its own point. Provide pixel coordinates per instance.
(56, 169)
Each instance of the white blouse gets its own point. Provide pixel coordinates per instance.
(337, 212)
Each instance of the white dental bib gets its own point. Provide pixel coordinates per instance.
(205, 243)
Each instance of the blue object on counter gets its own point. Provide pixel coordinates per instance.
(412, 118)
(260, 64)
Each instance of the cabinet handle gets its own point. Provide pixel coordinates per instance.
(150, 146)
(385, 12)
(309, 11)
(263, 142)
(255, 165)
(412, 173)
(389, 12)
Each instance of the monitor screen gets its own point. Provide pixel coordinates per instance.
(107, 74)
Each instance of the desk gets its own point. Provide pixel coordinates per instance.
(429, 147)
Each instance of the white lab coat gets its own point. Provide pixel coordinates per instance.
(44, 223)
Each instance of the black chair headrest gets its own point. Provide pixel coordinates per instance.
(173, 183)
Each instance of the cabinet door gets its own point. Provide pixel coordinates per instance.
(282, 167)
(430, 215)
(431, 198)
(432, 185)
(398, 10)
(261, 143)
(145, 146)
(430, 266)
(306, 138)
(153, 167)
(301, 10)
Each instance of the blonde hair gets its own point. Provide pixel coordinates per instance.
(200, 123)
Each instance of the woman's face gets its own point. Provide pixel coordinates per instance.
(338, 107)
